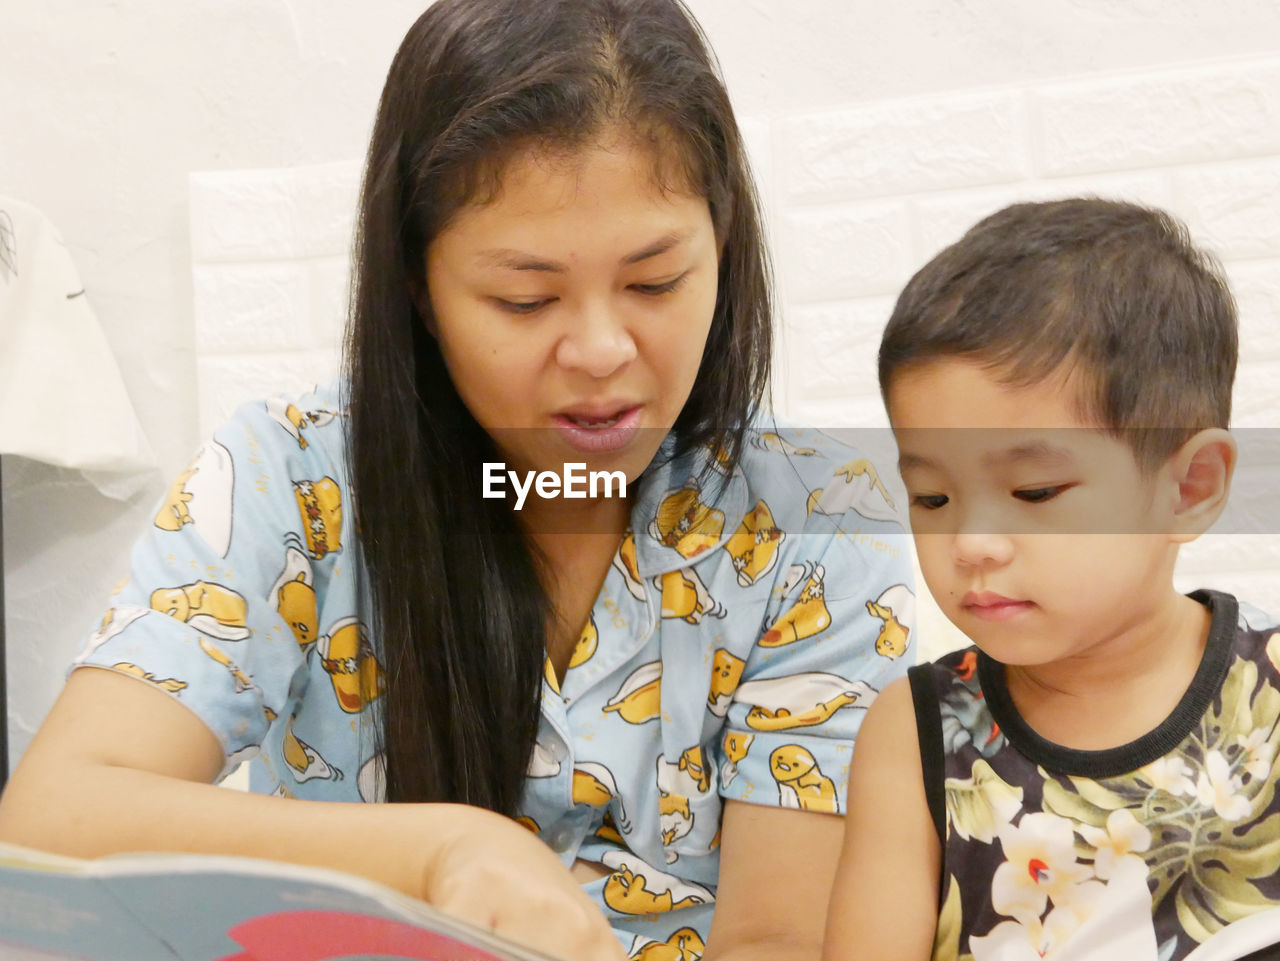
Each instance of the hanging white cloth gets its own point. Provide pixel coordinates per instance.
(62, 400)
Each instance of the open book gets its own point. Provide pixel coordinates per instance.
(191, 907)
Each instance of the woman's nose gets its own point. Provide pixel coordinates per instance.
(598, 344)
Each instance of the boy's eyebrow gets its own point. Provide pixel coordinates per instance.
(511, 259)
(1039, 451)
(907, 460)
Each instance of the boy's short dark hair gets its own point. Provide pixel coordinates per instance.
(1114, 290)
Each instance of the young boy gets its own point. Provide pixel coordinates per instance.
(1096, 778)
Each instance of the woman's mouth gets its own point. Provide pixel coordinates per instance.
(593, 422)
(599, 430)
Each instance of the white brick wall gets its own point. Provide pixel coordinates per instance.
(879, 132)
(906, 146)
(1149, 120)
(270, 258)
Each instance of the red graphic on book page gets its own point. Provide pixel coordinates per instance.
(324, 935)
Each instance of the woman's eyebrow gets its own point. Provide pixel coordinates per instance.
(511, 259)
(659, 246)
(519, 260)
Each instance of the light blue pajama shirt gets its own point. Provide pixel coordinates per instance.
(747, 621)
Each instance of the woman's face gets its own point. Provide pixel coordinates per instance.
(573, 307)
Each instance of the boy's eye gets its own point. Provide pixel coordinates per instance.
(1037, 495)
(521, 306)
(654, 290)
(930, 502)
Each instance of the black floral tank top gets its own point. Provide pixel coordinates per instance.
(1141, 852)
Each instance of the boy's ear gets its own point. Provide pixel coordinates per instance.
(1202, 469)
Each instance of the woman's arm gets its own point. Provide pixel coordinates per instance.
(776, 866)
(884, 905)
(119, 766)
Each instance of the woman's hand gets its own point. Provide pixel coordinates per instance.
(493, 873)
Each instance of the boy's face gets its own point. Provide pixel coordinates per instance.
(1037, 533)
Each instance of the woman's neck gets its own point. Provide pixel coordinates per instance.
(555, 521)
(576, 546)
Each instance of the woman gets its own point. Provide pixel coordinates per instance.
(559, 263)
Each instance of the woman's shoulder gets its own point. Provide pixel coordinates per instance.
(292, 419)
(298, 433)
(282, 457)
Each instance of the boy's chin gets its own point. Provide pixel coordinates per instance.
(1012, 640)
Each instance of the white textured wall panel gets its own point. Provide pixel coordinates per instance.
(905, 145)
(1214, 113)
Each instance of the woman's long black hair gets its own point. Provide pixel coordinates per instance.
(454, 596)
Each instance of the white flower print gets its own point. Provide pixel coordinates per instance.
(1217, 787)
(1040, 864)
(1169, 774)
(1103, 921)
(1124, 834)
(1257, 753)
(1036, 940)
(1012, 941)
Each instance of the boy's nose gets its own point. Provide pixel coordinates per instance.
(598, 344)
(972, 548)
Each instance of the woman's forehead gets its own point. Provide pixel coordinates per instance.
(654, 154)
(598, 195)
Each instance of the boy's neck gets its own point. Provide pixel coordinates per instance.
(1121, 688)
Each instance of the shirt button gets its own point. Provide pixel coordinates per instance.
(562, 838)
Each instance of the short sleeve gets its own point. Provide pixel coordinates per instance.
(837, 629)
(221, 604)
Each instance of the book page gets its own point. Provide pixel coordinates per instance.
(155, 907)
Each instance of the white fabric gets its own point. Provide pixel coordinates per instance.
(61, 397)
(1242, 938)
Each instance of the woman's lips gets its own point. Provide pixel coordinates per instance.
(990, 606)
(594, 431)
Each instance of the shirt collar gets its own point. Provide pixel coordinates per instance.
(685, 509)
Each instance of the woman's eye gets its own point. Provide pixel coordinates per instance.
(1037, 495)
(654, 290)
(930, 502)
(521, 306)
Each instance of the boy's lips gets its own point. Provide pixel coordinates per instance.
(991, 606)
